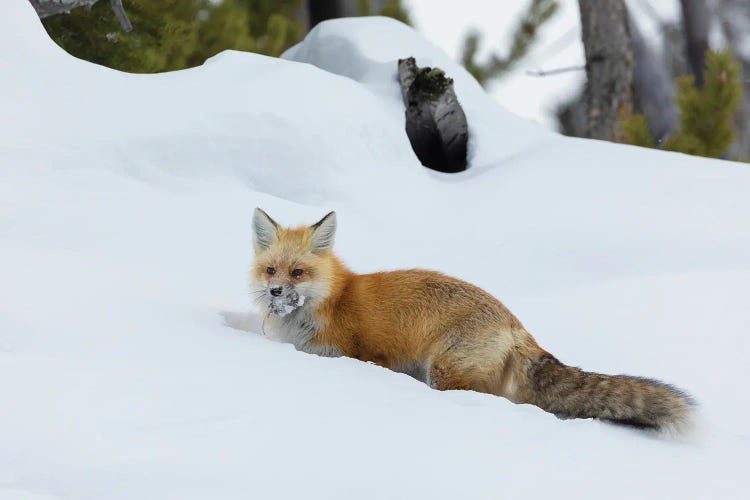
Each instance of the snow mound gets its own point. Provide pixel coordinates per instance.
(345, 47)
(132, 364)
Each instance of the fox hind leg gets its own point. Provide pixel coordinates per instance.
(484, 361)
(444, 374)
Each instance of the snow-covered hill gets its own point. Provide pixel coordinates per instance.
(131, 361)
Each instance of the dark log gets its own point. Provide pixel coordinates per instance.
(435, 122)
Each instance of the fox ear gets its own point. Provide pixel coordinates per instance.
(324, 232)
(265, 230)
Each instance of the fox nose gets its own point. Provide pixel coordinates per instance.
(276, 291)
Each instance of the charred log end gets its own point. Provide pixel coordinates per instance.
(435, 122)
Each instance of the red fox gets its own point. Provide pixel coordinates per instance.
(441, 330)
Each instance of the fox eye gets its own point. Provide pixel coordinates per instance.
(296, 273)
(271, 270)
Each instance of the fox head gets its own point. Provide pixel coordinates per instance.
(292, 266)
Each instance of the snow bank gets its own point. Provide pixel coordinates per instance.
(125, 240)
(347, 48)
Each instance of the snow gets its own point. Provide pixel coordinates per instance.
(132, 364)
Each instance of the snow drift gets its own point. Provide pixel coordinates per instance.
(132, 364)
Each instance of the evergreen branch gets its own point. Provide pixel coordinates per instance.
(524, 36)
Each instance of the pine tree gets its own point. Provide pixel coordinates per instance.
(706, 113)
(175, 34)
(636, 131)
(226, 26)
(273, 25)
(163, 37)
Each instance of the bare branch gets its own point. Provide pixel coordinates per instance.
(121, 16)
(557, 71)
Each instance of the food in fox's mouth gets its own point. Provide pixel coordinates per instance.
(282, 306)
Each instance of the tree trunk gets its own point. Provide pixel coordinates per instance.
(653, 94)
(653, 87)
(321, 10)
(609, 66)
(313, 12)
(734, 16)
(674, 49)
(695, 19)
